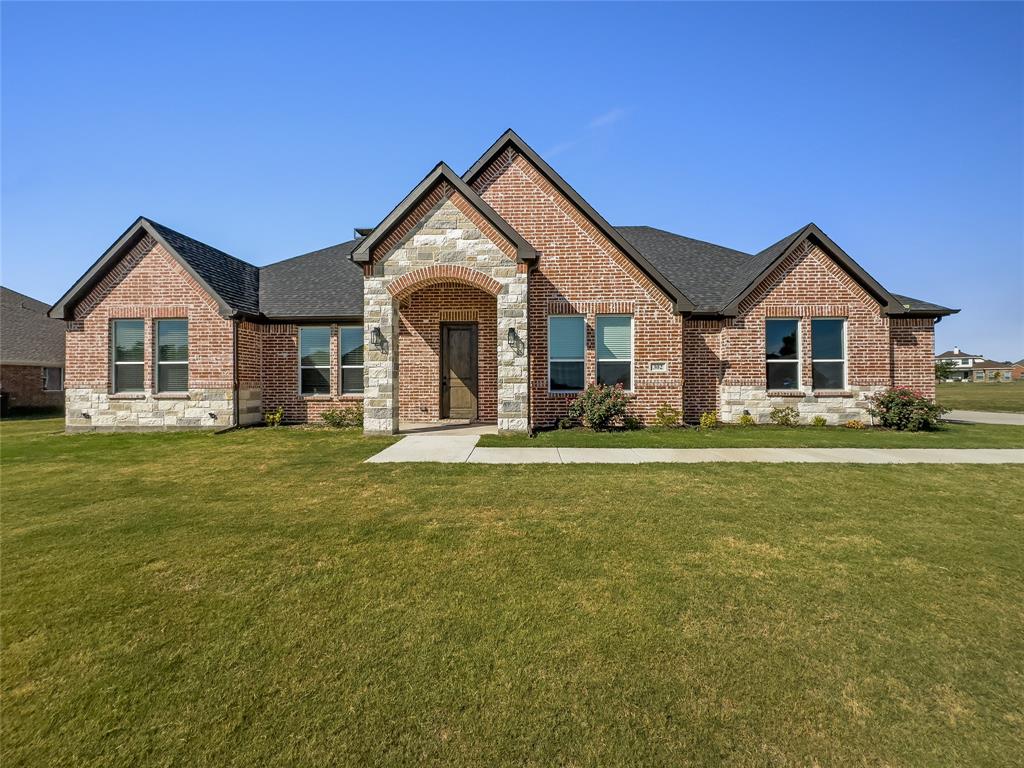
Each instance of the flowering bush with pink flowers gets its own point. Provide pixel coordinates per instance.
(905, 409)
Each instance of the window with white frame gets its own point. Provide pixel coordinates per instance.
(53, 379)
(828, 353)
(315, 360)
(350, 352)
(566, 344)
(172, 355)
(782, 353)
(614, 341)
(127, 348)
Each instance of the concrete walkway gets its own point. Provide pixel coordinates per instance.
(460, 449)
(986, 417)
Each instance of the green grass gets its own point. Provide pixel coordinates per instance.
(264, 598)
(765, 436)
(1007, 397)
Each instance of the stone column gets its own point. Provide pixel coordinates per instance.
(380, 372)
(513, 371)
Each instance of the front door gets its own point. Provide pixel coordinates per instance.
(458, 371)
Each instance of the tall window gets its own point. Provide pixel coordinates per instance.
(566, 335)
(614, 337)
(315, 360)
(828, 353)
(351, 354)
(782, 353)
(127, 342)
(172, 355)
(53, 379)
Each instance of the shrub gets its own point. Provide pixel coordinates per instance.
(273, 418)
(599, 407)
(708, 420)
(746, 420)
(349, 416)
(667, 416)
(819, 421)
(905, 409)
(784, 417)
(854, 424)
(631, 423)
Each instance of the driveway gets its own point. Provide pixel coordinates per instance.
(986, 417)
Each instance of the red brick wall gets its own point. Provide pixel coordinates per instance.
(581, 271)
(419, 366)
(913, 354)
(148, 283)
(280, 376)
(24, 386)
(702, 367)
(808, 284)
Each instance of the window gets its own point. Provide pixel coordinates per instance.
(127, 346)
(315, 361)
(53, 379)
(565, 353)
(172, 355)
(351, 354)
(782, 353)
(614, 337)
(828, 353)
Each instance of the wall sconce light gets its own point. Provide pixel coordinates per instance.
(377, 340)
(515, 341)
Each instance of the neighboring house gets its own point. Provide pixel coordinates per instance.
(496, 295)
(964, 363)
(31, 353)
(990, 370)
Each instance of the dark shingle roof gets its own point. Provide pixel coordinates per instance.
(917, 305)
(27, 335)
(237, 282)
(323, 283)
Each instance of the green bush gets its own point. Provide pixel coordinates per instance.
(599, 407)
(667, 416)
(905, 409)
(819, 421)
(708, 420)
(784, 417)
(349, 416)
(273, 418)
(746, 420)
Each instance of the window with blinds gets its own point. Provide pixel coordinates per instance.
(315, 360)
(566, 335)
(127, 339)
(351, 354)
(172, 355)
(614, 341)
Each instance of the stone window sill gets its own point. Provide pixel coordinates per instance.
(787, 393)
(832, 393)
(317, 397)
(127, 395)
(171, 396)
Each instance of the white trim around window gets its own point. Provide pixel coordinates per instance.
(314, 360)
(350, 360)
(616, 353)
(823, 369)
(567, 354)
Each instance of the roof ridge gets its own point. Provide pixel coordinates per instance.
(685, 237)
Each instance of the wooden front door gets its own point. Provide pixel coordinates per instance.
(458, 371)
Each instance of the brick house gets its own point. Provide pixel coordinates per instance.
(31, 354)
(497, 296)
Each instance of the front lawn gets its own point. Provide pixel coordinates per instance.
(767, 436)
(1006, 396)
(264, 598)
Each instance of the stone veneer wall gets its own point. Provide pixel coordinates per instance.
(443, 241)
(148, 284)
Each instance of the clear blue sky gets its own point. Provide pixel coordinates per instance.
(270, 130)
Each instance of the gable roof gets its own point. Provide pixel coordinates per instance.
(511, 139)
(27, 335)
(441, 172)
(320, 285)
(994, 364)
(233, 283)
(952, 354)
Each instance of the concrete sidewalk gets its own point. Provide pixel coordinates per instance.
(461, 449)
(986, 417)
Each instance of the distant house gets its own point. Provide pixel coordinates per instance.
(31, 353)
(990, 370)
(964, 363)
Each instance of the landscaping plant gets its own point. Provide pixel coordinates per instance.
(854, 424)
(784, 417)
(906, 409)
(819, 421)
(667, 416)
(708, 420)
(273, 418)
(746, 420)
(349, 416)
(599, 407)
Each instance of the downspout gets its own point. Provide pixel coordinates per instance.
(234, 370)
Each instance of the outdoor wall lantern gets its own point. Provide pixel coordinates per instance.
(377, 340)
(515, 341)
